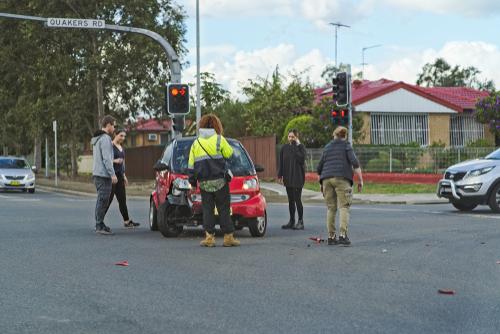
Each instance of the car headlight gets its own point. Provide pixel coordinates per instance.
(29, 177)
(3, 177)
(478, 172)
(250, 184)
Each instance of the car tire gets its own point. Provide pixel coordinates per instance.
(167, 230)
(258, 226)
(31, 191)
(463, 206)
(153, 216)
(493, 201)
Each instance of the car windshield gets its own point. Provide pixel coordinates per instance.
(494, 155)
(239, 163)
(8, 163)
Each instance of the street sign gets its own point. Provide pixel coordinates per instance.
(75, 23)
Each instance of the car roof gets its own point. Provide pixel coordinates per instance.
(192, 138)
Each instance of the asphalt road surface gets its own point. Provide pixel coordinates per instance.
(57, 276)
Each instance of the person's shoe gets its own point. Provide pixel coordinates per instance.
(103, 229)
(209, 240)
(300, 225)
(131, 224)
(230, 240)
(333, 241)
(344, 241)
(289, 226)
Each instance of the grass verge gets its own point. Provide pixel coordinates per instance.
(386, 188)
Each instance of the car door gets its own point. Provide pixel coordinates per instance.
(163, 177)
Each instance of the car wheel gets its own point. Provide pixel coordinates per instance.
(464, 206)
(258, 226)
(31, 191)
(24, 190)
(153, 220)
(167, 230)
(494, 200)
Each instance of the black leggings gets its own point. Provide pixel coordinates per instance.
(119, 190)
(295, 200)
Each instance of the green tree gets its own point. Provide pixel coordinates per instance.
(331, 71)
(272, 103)
(442, 74)
(310, 131)
(488, 112)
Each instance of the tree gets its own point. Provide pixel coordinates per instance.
(488, 112)
(271, 103)
(331, 71)
(442, 74)
(310, 131)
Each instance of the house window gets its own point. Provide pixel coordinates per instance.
(152, 137)
(397, 129)
(464, 129)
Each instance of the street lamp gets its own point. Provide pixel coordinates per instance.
(363, 57)
(337, 25)
(198, 80)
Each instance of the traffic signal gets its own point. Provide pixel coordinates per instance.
(340, 117)
(341, 86)
(177, 97)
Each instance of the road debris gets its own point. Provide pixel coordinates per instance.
(122, 264)
(446, 291)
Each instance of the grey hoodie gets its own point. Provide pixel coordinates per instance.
(102, 148)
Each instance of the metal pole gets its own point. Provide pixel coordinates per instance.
(363, 58)
(46, 157)
(55, 152)
(337, 25)
(198, 79)
(349, 101)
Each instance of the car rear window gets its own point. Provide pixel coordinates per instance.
(239, 163)
(7, 163)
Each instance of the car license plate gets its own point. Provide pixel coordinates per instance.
(15, 183)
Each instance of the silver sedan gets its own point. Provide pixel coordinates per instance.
(16, 173)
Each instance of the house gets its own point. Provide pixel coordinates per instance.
(147, 132)
(398, 113)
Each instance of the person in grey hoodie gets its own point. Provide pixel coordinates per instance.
(103, 172)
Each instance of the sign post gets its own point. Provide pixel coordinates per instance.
(54, 127)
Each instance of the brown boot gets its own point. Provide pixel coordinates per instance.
(230, 241)
(209, 240)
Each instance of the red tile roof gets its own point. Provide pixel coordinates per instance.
(151, 125)
(456, 98)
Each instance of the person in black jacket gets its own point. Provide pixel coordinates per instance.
(118, 189)
(291, 173)
(335, 170)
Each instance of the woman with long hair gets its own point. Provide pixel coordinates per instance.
(118, 189)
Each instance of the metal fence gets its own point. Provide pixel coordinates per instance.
(404, 159)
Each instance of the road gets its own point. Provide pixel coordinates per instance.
(57, 276)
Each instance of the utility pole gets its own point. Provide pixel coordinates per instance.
(54, 127)
(46, 157)
(337, 25)
(198, 79)
(363, 57)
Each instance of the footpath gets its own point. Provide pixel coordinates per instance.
(272, 191)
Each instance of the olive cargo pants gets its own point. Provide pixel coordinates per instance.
(338, 195)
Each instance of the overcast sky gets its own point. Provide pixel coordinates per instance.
(242, 39)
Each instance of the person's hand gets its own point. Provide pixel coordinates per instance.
(118, 161)
(293, 142)
(125, 180)
(360, 187)
(114, 179)
(321, 188)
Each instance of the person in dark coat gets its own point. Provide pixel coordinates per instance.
(291, 173)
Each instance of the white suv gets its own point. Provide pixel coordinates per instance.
(472, 183)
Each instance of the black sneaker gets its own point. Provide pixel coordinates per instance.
(344, 241)
(333, 241)
(289, 226)
(131, 224)
(103, 229)
(300, 225)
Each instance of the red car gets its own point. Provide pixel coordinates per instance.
(248, 205)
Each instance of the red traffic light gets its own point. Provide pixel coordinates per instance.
(182, 91)
(342, 113)
(175, 92)
(334, 114)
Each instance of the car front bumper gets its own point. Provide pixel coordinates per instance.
(460, 191)
(10, 185)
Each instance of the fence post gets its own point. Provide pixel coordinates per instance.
(311, 161)
(390, 160)
(459, 154)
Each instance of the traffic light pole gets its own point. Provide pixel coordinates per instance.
(349, 101)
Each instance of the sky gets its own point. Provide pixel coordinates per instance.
(242, 39)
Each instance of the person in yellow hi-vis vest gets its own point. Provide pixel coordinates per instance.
(207, 165)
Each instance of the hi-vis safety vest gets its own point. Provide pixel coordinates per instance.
(209, 165)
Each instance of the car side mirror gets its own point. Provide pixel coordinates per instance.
(34, 169)
(259, 168)
(160, 166)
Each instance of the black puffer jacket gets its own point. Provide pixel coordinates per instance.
(338, 160)
(292, 165)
